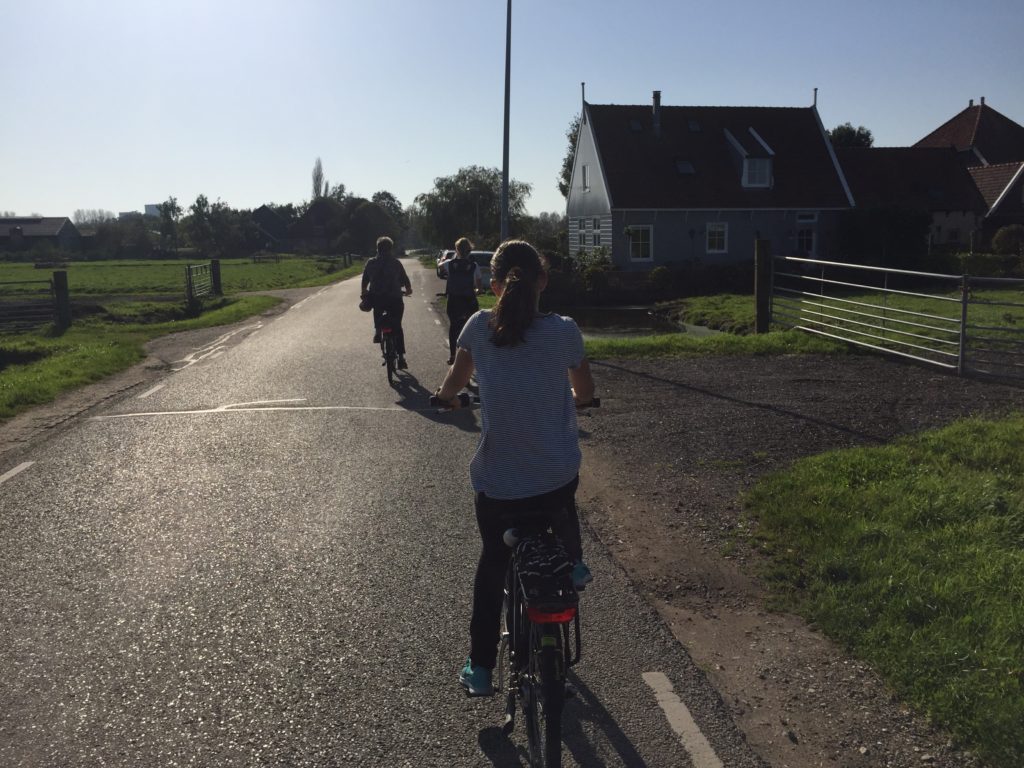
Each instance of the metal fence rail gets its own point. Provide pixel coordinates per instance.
(198, 281)
(925, 316)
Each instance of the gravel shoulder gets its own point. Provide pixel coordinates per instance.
(666, 458)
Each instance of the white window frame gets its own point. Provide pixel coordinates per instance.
(585, 176)
(717, 227)
(633, 229)
(807, 222)
(752, 180)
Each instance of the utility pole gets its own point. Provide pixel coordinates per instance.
(504, 166)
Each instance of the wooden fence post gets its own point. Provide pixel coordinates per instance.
(215, 277)
(62, 298)
(762, 285)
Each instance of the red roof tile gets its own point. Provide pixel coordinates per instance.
(992, 180)
(998, 138)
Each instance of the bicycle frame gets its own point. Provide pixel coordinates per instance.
(542, 639)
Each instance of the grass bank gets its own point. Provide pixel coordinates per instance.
(119, 306)
(35, 368)
(911, 556)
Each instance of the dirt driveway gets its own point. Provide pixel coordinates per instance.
(666, 458)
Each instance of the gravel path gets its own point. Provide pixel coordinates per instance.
(673, 446)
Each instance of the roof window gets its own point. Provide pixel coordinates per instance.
(685, 168)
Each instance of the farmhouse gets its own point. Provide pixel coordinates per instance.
(24, 232)
(659, 185)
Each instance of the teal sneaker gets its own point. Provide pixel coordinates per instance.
(476, 680)
(581, 576)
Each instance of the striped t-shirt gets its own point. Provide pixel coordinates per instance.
(529, 441)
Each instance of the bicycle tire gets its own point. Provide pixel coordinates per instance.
(390, 357)
(544, 697)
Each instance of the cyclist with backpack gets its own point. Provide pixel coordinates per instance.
(532, 374)
(463, 284)
(383, 285)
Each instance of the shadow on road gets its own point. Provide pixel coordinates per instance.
(414, 397)
(585, 708)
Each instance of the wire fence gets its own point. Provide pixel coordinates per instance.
(972, 325)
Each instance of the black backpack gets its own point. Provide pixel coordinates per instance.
(460, 277)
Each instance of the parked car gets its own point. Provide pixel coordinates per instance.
(483, 261)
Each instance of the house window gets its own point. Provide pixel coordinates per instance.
(805, 240)
(757, 172)
(805, 232)
(639, 240)
(585, 175)
(718, 237)
(597, 232)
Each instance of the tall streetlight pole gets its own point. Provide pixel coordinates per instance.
(504, 167)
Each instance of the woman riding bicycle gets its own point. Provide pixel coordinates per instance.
(532, 375)
(463, 283)
(385, 281)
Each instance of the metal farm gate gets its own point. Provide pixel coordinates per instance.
(971, 325)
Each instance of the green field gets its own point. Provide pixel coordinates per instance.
(166, 278)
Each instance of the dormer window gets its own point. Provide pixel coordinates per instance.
(757, 172)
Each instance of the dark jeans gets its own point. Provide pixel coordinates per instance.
(395, 308)
(494, 517)
(460, 309)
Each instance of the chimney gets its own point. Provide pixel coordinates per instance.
(970, 103)
(983, 101)
(657, 113)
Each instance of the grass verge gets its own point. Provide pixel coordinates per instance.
(35, 368)
(684, 345)
(911, 556)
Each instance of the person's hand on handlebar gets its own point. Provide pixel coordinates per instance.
(407, 290)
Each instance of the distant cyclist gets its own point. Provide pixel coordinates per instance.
(463, 284)
(532, 374)
(385, 281)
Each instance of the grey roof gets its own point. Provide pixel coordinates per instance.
(35, 226)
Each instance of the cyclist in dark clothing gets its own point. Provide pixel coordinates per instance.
(463, 283)
(385, 281)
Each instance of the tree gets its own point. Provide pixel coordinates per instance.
(469, 203)
(389, 203)
(199, 229)
(337, 192)
(565, 177)
(846, 135)
(319, 185)
(170, 212)
(91, 216)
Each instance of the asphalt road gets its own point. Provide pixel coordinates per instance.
(266, 560)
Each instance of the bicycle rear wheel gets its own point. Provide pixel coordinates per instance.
(390, 357)
(544, 696)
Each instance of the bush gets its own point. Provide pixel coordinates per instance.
(1009, 240)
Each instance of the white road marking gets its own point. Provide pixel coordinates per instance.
(20, 468)
(150, 391)
(701, 753)
(264, 405)
(216, 346)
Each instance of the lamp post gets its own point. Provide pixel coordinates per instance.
(504, 167)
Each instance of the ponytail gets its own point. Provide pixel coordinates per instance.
(518, 265)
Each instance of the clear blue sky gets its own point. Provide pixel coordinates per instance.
(114, 104)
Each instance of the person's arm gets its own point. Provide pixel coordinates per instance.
(457, 378)
(405, 280)
(582, 381)
(366, 277)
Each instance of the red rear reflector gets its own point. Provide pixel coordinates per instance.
(550, 617)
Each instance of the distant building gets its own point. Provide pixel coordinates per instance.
(153, 209)
(23, 232)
